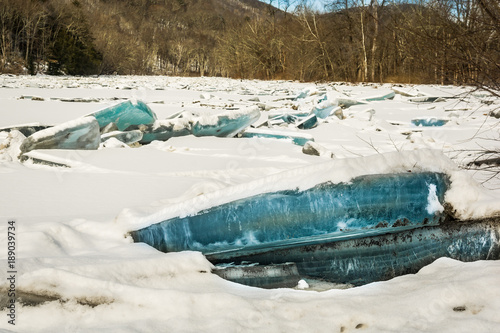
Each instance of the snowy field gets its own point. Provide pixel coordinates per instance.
(71, 224)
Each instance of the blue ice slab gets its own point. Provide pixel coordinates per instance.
(225, 124)
(297, 138)
(82, 133)
(308, 122)
(428, 122)
(287, 116)
(323, 111)
(125, 114)
(368, 205)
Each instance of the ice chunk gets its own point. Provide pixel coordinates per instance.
(313, 148)
(36, 157)
(113, 143)
(268, 106)
(297, 138)
(26, 129)
(225, 124)
(288, 118)
(306, 92)
(32, 98)
(429, 121)
(284, 112)
(308, 122)
(324, 109)
(426, 99)
(389, 95)
(367, 205)
(125, 114)
(128, 137)
(163, 130)
(82, 133)
(111, 127)
(269, 276)
(348, 102)
(80, 100)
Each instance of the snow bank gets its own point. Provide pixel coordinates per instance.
(474, 204)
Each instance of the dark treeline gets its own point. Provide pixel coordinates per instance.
(440, 41)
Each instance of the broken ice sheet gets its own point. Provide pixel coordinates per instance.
(430, 121)
(348, 102)
(225, 124)
(296, 137)
(426, 99)
(382, 97)
(82, 133)
(26, 129)
(308, 122)
(325, 108)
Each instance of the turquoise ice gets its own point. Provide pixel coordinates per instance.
(367, 205)
(225, 124)
(297, 138)
(125, 114)
(427, 122)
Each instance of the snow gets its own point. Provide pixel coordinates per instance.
(433, 202)
(71, 223)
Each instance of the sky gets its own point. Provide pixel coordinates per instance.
(315, 4)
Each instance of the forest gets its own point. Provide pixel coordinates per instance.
(403, 41)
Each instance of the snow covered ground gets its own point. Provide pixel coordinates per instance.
(71, 223)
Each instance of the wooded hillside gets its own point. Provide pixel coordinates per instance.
(448, 41)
